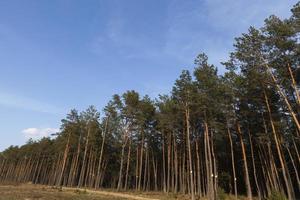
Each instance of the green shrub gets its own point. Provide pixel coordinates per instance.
(221, 195)
(79, 191)
(275, 195)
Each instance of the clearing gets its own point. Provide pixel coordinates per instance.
(41, 192)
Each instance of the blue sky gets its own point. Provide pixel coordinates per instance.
(62, 54)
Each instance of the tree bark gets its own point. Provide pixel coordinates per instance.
(128, 164)
(289, 188)
(254, 166)
(187, 118)
(83, 168)
(285, 99)
(232, 162)
(294, 84)
(247, 180)
(101, 154)
(122, 161)
(64, 160)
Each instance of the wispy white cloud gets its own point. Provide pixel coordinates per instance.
(38, 133)
(211, 25)
(17, 101)
(187, 28)
(117, 40)
(235, 15)
(123, 36)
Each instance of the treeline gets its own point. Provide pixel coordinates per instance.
(238, 131)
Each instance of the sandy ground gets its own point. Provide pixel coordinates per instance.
(113, 194)
(39, 192)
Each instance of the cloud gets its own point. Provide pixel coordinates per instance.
(124, 35)
(37, 133)
(12, 100)
(181, 30)
(239, 15)
(117, 40)
(210, 25)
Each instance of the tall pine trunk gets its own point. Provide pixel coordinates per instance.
(247, 179)
(289, 187)
(232, 162)
(187, 118)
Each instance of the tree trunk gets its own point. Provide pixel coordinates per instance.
(215, 177)
(145, 169)
(122, 163)
(64, 160)
(74, 174)
(285, 99)
(164, 164)
(232, 162)
(247, 180)
(296, 150)
(295, 168)
(254, 167)
(154, 172)
(169, 163)
(175, 164)
(294, 84)
(101, 154)
(289, 188)
(137, 168)
(198, 170)
(187, 118)
(128, 164)
(83, 168)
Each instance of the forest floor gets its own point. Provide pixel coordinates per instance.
(41, 192)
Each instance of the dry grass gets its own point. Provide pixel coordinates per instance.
(33, 192)
(40, 192)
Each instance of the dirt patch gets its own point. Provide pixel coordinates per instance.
(40, 192)
(115, 194)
